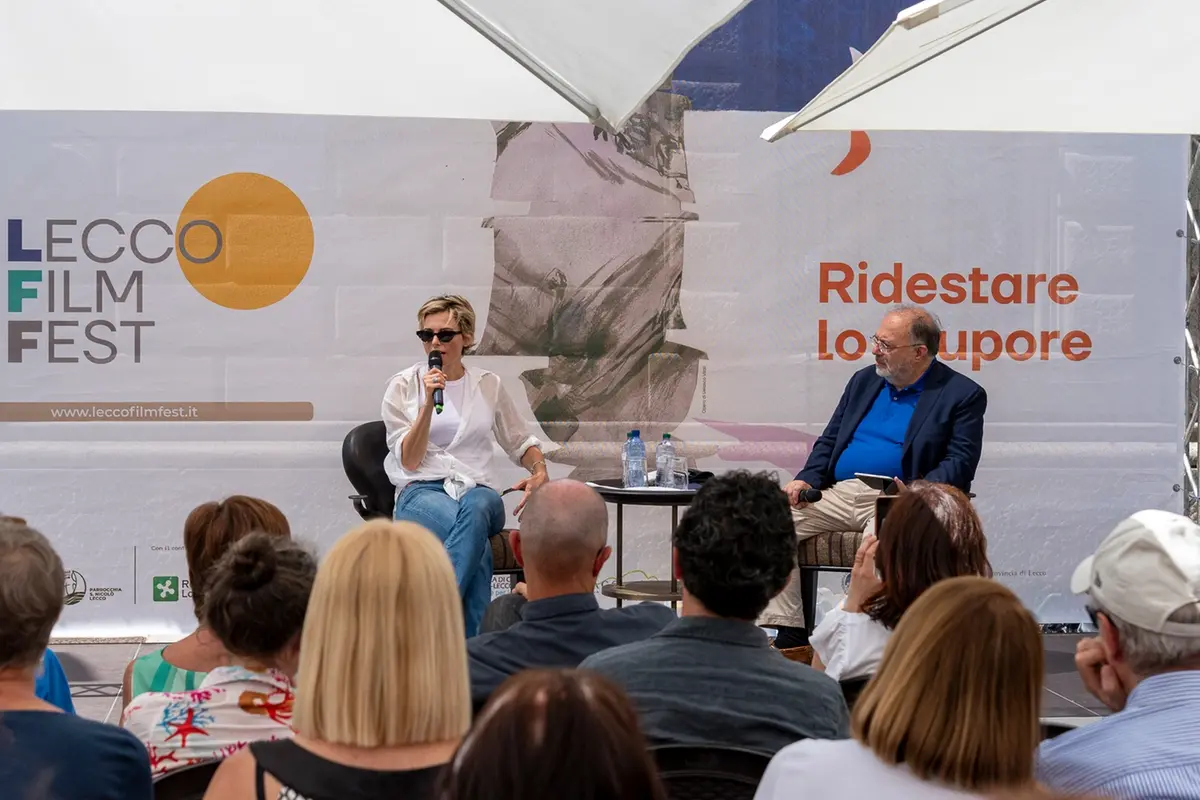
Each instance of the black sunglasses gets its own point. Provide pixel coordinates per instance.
(1094, 615)
(444, 336)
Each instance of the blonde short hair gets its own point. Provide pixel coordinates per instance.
(383, 656)
(957, 694)
(459, 308)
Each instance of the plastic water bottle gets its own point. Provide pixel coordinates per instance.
(664, 463)
(625, 459)
(635, 461)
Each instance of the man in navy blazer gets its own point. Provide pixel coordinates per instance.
(908, 416)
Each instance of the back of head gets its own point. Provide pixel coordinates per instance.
(563, 527)
(957, 695)
(382, 660)
(258, 594)
(31, 595)
(212, 528)
(930, 533)
(554, 734)
(736, 544)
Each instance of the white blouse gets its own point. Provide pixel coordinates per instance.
(850, 645)
(487, 416)
(844, 768)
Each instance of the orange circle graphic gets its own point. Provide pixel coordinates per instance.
(244, 241)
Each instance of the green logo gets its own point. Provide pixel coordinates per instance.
(166, 589)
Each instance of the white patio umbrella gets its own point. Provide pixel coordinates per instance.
(521, 60)
(1080, 66)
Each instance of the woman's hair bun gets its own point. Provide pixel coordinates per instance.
(252, 562)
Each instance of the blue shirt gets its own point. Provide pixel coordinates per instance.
(1148, 750)
(557, 632)
(878, 441)
(51, 684)
(54, 756)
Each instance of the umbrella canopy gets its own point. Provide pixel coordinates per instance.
(522, 60)
(1079, 66)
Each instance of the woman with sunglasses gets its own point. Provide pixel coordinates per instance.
(440, 460)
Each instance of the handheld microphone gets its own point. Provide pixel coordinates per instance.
(435, 362)
(810, 495)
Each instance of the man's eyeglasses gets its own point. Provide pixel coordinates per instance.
(887, 347)
(444, 336)
(1094, 615)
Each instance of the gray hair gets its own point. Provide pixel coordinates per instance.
(31, 595)
(1148, 653)
(923, 327)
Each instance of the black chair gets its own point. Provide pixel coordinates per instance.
(363, 452)
(852, 688)
(185, 783)
(709, 772)
(1052, 729)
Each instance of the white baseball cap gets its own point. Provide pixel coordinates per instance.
(1145, 570)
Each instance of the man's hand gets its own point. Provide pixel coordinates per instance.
(520, 589)
(793, 490)
(1099, 677)
(864, 581)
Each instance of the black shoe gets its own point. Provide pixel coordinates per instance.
(790, 637)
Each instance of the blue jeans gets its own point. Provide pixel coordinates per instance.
(464, 526)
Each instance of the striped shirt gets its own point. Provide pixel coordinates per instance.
(1148, 751)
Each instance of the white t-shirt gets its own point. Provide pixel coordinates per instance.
(843, 769)
(444, 426)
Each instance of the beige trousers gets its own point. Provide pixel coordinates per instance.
(845, 506)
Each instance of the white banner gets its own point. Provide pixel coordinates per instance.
(197, 306)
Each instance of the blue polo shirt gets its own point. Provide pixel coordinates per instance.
(878, 441)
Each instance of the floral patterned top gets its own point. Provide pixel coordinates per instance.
(230, 709)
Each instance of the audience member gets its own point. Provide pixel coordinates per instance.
(51, 683)
(255, 604)
(382, 696)
(1143, 591)
(550, 734)
(561, 546)
(711, 676)
(44, 752)
(209, 531)
(931, 532)
(953, 707)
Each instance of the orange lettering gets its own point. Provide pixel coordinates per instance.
(952, 285)
(921, 288)
(823, 353)
(978, 279)
(827, 283)
(1067, 284)
(1014, 285)
(1010, 345)
(1034, 280)
(1048, 337)
(958, 354)
(978, 354)
(1076, 345)
(893, 278)
(860, 344)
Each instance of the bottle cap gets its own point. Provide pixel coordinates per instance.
(637, 432)
(666, 436)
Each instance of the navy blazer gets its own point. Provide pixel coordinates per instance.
(944, 439)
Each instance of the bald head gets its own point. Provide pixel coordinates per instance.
(563, 527)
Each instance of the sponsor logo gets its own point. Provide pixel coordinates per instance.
(74, 588)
